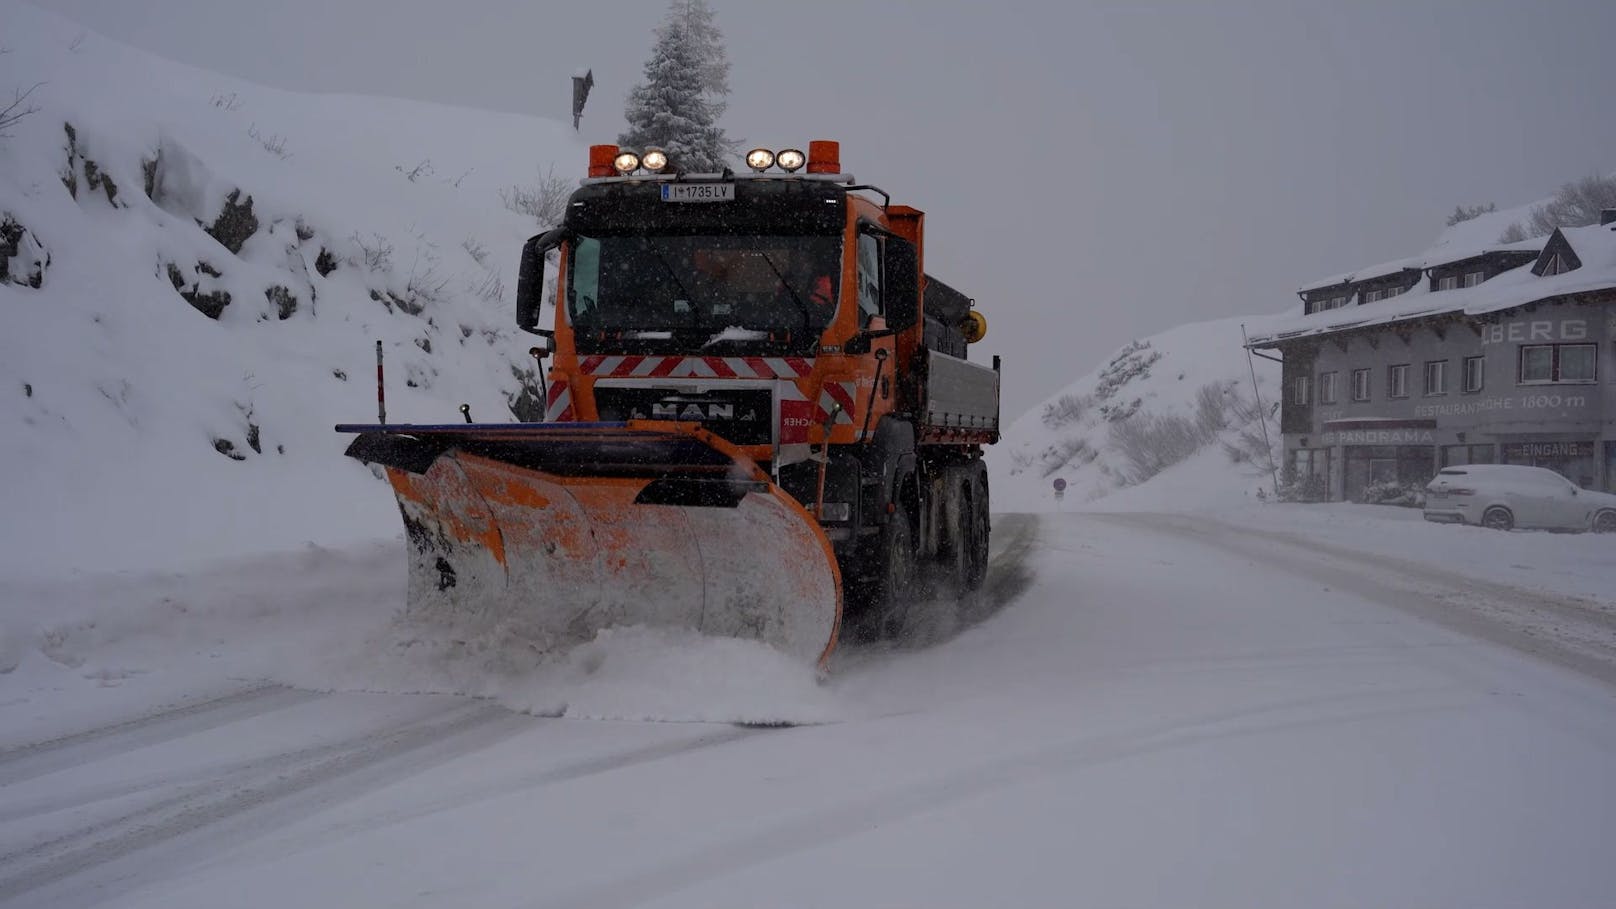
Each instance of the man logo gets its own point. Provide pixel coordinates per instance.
(691, 410)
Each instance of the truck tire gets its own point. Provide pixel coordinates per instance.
(981, 526)
(895, 581)
(958, 548)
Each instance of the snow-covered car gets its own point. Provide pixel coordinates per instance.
(1502, 496)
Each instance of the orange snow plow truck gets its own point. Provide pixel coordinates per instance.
(761, 420)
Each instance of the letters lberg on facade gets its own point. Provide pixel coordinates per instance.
(1490, 357)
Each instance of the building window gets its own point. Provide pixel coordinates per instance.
(1394, 291)
(1300, 388)
(1320, 304)
(1472, 278)
(1555, 266)
(1360, 384)
(1474, 373)
(1327, 388)
(1447, 283)
(1459, 455)
(1565, 363)
(1436, 377)
(1397, 381)
(1371, 296)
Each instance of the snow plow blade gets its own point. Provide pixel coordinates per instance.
(555, 531)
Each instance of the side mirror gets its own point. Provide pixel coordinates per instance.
(878, 328)
(530, 279)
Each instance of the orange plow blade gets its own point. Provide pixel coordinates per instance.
(555, 532)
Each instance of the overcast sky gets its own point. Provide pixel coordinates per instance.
(1092, 172)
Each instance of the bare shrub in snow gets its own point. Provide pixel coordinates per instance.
(274, 144)
(18, 109)
(1065, 410)
(1463, 213)
(476, 250)
(1212, 405)
(1074, 449)
(1390, 492)
(422, 168)
(229, 101)
(1575, 204)
(545, 201)
(1295, 488)
(1134, 361)
(1512, 234)
(1118, 411)
(425, 285)
(376, 254)
(491, 288)
(1151, 443)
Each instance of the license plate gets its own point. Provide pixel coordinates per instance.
(698, 192)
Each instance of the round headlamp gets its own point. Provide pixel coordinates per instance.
(759, 159)
(790, 159)
(626, 162)
(655, 160)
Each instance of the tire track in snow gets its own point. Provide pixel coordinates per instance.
(28, 761)
(257, 797)
(901, 802)
(565, 773)
(1566, 631)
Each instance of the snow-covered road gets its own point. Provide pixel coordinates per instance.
(1167, 711)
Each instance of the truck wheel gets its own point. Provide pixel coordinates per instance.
(957, 556)
(895, 581)
(981, 527)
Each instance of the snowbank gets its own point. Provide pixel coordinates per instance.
(1190, 385)
(214, 263)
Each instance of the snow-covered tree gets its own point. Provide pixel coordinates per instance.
(678, 105)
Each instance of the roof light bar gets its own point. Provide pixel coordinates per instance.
(790, 159)
(759, 159)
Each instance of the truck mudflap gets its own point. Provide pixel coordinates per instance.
(554, 532)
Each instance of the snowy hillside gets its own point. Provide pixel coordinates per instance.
(196, 273)
(1183, 394)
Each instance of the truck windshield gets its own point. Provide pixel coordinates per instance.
(706, 289)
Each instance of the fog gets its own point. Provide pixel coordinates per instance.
(1092, 173)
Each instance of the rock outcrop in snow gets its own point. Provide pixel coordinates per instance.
(193, 274)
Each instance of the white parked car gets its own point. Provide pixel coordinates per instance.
(1502, 496)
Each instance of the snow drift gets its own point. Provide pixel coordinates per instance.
(197, 271)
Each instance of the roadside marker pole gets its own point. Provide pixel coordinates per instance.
(381, 397)
(1262, 418)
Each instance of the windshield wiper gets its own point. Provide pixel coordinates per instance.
(807, 318)
(684, 292)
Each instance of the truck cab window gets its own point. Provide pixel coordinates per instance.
(583, 277)
(869, 277)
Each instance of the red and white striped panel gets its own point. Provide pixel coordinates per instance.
(658, 367)
(834, 393)
(558, 404)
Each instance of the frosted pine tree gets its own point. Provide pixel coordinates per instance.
(678, 105)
